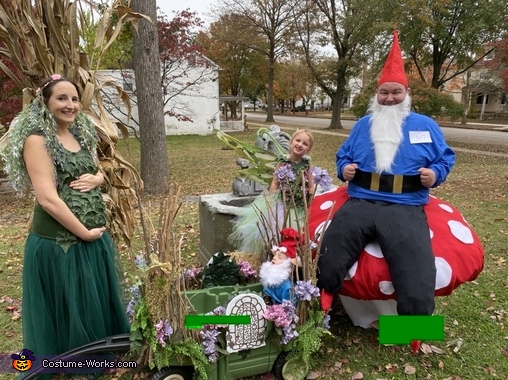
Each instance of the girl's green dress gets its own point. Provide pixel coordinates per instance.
(256, 227)
(71, 288)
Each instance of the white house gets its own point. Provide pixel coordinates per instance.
(191, 98)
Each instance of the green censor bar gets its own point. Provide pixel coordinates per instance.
(402, 329)
(197, 321)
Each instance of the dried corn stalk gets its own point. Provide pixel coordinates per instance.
(42, 38)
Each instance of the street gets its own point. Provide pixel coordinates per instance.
(452, 134)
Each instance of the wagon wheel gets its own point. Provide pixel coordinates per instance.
(174, 373)
(280, 367)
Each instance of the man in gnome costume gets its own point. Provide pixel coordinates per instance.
(390, 159)
(275, 275)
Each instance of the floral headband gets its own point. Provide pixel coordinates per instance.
(54, 77)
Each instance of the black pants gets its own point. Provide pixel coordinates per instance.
(403, 235)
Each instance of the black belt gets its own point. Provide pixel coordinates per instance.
(388, 183)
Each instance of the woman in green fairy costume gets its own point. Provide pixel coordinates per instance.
(292, 186)
(71, 290)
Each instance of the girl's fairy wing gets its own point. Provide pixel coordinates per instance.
(262, 162)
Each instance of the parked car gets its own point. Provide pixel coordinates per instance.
(250, 105)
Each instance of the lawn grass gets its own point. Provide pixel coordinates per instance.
(476, 312)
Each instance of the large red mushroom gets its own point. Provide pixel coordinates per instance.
(458, 252)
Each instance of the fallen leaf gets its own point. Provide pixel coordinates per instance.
(357, 376)
(313, 375)
(440, 365)
(409, 369)
(425, 348)
(436, 350)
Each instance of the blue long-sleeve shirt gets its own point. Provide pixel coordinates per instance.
(423, 145)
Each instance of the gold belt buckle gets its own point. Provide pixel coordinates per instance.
(397, 183)
(374, 181)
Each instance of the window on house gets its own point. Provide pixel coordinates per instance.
(479, 99)
(503, 98)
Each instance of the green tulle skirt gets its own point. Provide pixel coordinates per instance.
(70, 299)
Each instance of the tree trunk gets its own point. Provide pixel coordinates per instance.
(271, 75)
(154, 154)
(338, 96)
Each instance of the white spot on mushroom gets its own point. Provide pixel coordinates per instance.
(326, 205)
(443, 273)
(461, 232)
(386, 287)
(321, 227)
(374, 249)
(352, 271)
(446, 208)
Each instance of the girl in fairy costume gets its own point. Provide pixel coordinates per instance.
(71, 291)
(257, 225)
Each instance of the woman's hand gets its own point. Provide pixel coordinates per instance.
(87, 182)
(95, 233)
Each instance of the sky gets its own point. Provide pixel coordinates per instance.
(199, 6)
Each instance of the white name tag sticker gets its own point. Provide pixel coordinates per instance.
(419, 137)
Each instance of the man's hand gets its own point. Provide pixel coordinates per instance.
(349, 171)
(427, 176)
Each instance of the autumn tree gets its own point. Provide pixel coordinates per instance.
(499, 61)
(147, 66)
(10, 93)
(334, 37)
(270, 21)
(179, 54)
(294, 82)
(447, 36)
(243, 70)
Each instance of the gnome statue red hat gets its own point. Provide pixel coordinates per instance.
(393, 70)
(288, 244)
(275, 275)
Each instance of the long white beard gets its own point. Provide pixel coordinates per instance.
(274, 275)
(386, 131)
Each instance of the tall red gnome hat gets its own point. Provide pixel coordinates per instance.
(289, 242)
(393, 70)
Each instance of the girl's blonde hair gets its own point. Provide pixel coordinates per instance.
(300, 131)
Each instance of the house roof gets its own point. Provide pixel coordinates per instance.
(482, 87)
(230, 98)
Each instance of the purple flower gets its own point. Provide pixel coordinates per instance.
(192, 274)
(285, 173)
(134, 289)
(321, 178)
(326, 321)
(219, 310)
(209, 336)
(277, 314)
(163, 330)
(306, 291)
(246, 269)
(288, 333)
(131, 308)
(140, 262)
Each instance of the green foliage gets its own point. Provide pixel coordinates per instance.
(223, 270)
(424, 99)
(447, 36)
(434, 103)
(302, 349)
(263, 162)
(361, 102)
(143, 334)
